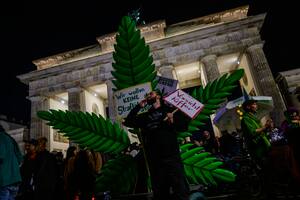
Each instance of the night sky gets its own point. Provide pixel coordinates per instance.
(31, 31)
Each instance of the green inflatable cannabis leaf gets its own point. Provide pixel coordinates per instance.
(213, 95)
(118, 176)
(133, 63)
(88, 130)
(201, 167)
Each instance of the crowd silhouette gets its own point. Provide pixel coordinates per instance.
(50, 175)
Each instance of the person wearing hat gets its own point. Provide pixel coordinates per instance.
(257, 143)
(292, 119)
(253, 131)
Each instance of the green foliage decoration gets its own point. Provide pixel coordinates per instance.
(213, 95)
(118, 176)
(133, 63)
(202, 168)
(88, 130)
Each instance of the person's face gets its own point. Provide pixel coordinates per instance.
(206, 134)
(27, 147)
(32, 148)
(75, 152)
(253, 107)
(294, 116)
(41, 145)
(270, 123)
(151, 98)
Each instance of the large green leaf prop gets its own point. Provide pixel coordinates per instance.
(133, 63)
(118, 176)
(89, 130)
(213, 95)
(182, 135)
(201, 167)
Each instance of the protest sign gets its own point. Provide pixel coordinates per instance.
(184, 102)
(128, 98)
(166, 85)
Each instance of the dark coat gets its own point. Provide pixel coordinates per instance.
(10, 159)
(45, 176)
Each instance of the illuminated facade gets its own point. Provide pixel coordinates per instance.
(194, 52)
(289, 85)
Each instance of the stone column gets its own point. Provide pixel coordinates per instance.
(166, 71)
(210, 67)
(211, 71)
(111, 104)
(264, 80)
(76, 102)
(38, 127)
(76, 99)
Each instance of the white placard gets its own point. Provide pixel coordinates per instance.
(184, 102)
(128, 98)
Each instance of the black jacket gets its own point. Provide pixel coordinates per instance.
(159, 136)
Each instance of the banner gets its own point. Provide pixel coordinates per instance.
(128, 98)
(166, 85)
(184, 102)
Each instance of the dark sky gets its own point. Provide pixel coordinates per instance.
(34, 30)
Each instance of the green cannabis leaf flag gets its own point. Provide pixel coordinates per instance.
(118, 176)
(133, 63)
(213, 95)
(201, 167)
(89, 130)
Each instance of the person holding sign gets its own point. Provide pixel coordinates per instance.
(158, 126)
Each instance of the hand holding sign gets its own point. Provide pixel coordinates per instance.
(170, 116)
(184, 102)
(143, 103)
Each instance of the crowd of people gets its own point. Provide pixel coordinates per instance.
(266, 135)
(275, 150)
(41, 174)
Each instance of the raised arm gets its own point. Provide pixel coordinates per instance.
(133, 120)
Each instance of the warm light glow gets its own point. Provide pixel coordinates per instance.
(227, 62)
(99, 90)
(188, 75)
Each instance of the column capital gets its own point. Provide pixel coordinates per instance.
(75, 89)
(108, 82)
(255, 47)
(166, 70)
(167, 65)
(37, 98)
(210, 67)
(208, 58)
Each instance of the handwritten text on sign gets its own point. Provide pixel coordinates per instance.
(128, 98)
(166, 85)
(184, 102)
